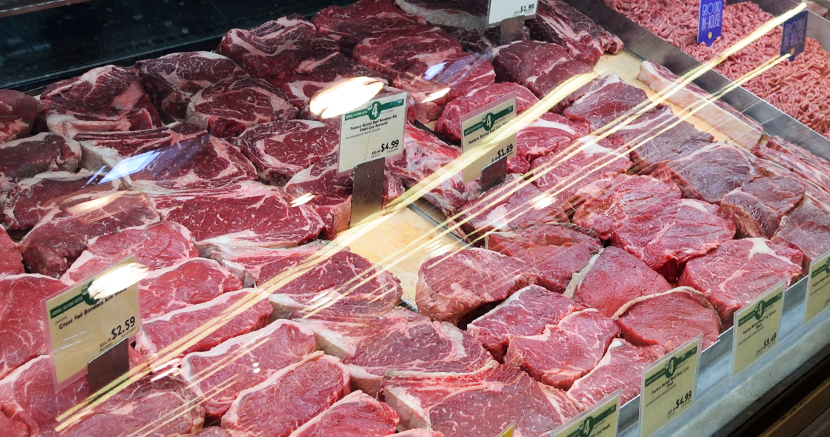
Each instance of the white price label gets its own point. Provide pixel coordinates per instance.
(600, 421)
(500, 10)
(477, 126)
(756, 328)
(668, 387)
(374, 131)
(818, 287)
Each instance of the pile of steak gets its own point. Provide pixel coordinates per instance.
(27, 157)
(558, 22)
(17, 114)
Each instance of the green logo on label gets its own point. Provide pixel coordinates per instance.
(671, 366)
(825, 268)
(590, 422)
(758, 312)
(84, 297)
(489, 121)
(374, 110)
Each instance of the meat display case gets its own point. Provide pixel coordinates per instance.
(414, 231)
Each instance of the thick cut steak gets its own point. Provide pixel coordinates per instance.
(566, 351)
(548, 133)
(452, 286)
(806, 228)
(356, 415)
(774, 151)
(66, 230)
(502, 394)
(709, 173)
(276, 47)
(540, 66)
(628, 196)
(281, 149)
(612, 279)
(398, 340)
(220, 374)
(230, 106)
(103, 99)
(669, 319)
(449, 125)
(514, 204)
(620, 369)
(362, 19)
(738, 271)
(525, 313)
(25, 158)
(151, 406)
(666, 236)
(192, 282)
(172, 80)
(558, 22)
(758, 207)
(22, 325)
(17, 114)
(290, 397)
(255, 266)
(248, 214)
(224, 317)
(32, 198)
(801, 153)
(11, 261)
(604, 101)
(180, 156)
(155, 246)
(556, 252)
(409, 50)
(468, 14)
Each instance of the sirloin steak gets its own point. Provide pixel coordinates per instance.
(11, 261)
(18, 113)
(356, 415)
(25, 158)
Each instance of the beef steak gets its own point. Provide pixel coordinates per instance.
(605, 100)
(469, 14)
(709, 173)
(807, 228)
(548, 133)
(11, 261)
(18, 113)
(558, 22)
(356, 415)
(25, 158)
(540, 66)
(412, 50)
(758, 207)
(364, 18)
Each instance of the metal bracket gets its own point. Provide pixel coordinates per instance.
(367, 191)
(511, 30)
(108, 366)
(493, 174)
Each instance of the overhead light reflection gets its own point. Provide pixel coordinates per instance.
(302, 200)
(434, 70)
(117, 280)
(437, 95)
(128, 166)
(344, 96)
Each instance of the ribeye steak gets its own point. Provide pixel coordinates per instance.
(25, 158)
(17, 114)
(362, 19)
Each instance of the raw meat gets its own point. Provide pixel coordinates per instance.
(775, 151)
(717, 113)
(539, 66)
(22, 325)
(546, 134)
(527, 312)
(203, 326)
(567, 174)
(620, 369)
(213, 431)
(709, 173)
(555, 251)
(276, 47)
(311, 77)
(220, 374)
(806, 228)
(66, 230)
(468, 14)
(247, 214)
(331, 192)
(451, 287)
(152, 405)
(17, 114)
(512, 205)
(804, 155)
(180, 156)
(11, 262)
(738, 271)
(192, 282)
(355, 415)
(449, 125)
(255, 266)
(32, 198)
(281, 149)
(604, 101)
(474, 41)
(566, 351)
(172, 80)
(398, 340)
(362, 19)
(25, 158)
(290, 397)
(155, 246)
(628, 196)
(454, 404)
(230, 106)
(103, 99)
(666, 236)
(558, 22)
(419, 432)
(758, 207)
(30, 402)
(612, 279)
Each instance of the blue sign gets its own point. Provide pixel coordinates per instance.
(795, 35)
(710, 22)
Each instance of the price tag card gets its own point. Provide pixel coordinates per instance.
(668, 387)
(818, 287)
(372, 132)
(710, 21)
(507, 432)
(756, 328)
(82, 327)
(477, 125)
(794, 38)
(500, 10)
(600, 421)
